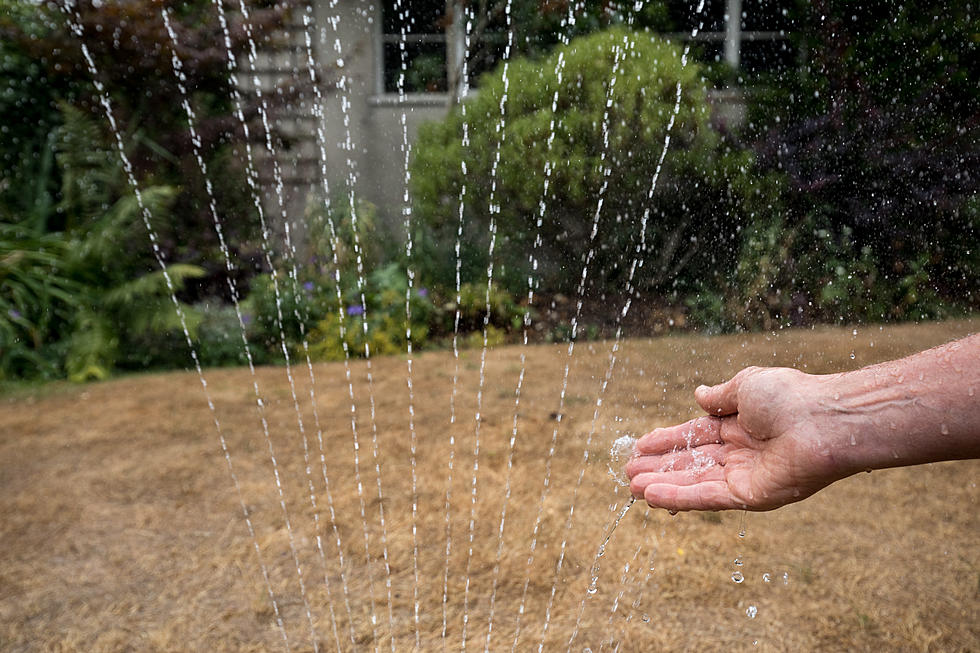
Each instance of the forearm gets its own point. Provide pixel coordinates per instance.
(919, 409)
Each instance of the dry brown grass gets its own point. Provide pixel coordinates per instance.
(120, 528)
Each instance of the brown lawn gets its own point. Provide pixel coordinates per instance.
(121, 528)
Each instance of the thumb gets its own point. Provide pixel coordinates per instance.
(718, 400)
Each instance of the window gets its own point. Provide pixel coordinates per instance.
(423, 43)
(751, 36)
(421, 25)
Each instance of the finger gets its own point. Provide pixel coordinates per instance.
(707, 495)
(694, 433)
(721, 399)
(705, 456)
(679, 477)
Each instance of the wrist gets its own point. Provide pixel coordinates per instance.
(859, 416)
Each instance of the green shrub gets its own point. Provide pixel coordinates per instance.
(693, 214)
(385, 329)
(37, 301)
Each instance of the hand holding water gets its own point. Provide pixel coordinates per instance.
(777, 435)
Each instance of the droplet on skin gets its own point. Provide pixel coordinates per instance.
(738, 562)
(751, 611)
(646, 618)
(785, 578)
(944, 429)
(671, 512)
(737, 577)
(766, 577)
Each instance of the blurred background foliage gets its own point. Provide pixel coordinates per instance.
(848, 194)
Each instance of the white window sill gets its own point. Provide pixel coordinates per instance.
(409, 100)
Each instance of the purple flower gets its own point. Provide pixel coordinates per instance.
(423, 292)
(14, 313)
(308, 286)
(355, 310)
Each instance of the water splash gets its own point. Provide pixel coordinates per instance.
(620, 454)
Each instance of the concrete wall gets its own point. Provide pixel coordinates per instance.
(350, 32)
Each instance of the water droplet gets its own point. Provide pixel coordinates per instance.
(944, 429)
(741, 533)
(751, 611)
(852, 355)
(766, 577)
(738, 562)
(737, 577)
(785, 578)
(671, 512)
(646, 617)
(593, 588)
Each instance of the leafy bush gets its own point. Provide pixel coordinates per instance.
(380, 326)
(876, 159)
(693, 215)
(41, 67)
(37, 300)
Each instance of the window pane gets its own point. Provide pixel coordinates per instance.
(766, 15)
(418, 16)
(767, 56)
(425, 67)
(684, 17)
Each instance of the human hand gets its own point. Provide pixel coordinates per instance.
(765, 443)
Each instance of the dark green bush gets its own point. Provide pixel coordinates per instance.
(693, 214)
(875, 155)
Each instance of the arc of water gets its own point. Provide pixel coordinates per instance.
(622, 591)
(335, 246)
(606, 172)
(409, 288)
(461, 202)
(493, 209)
(177, 66)
(569, 19)
(345, 105)
(647, 574)
(74, 23)
(641, 247)
(526, 324)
